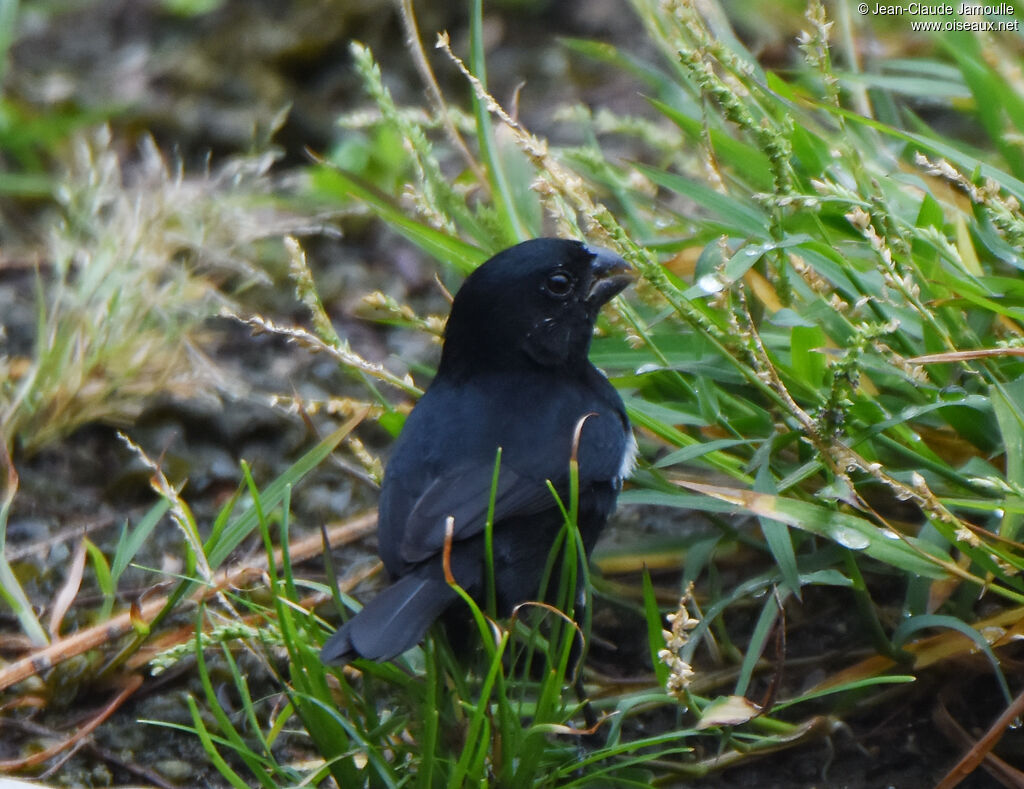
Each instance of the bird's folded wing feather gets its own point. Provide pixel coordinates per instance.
(464, 494)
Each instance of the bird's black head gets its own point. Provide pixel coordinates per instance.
(532, 304)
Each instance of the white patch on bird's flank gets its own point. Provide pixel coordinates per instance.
(628, 458)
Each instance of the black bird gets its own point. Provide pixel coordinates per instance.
(514, 374)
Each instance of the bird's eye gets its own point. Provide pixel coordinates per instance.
(558, 284)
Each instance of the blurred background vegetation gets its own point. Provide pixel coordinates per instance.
(227, 230)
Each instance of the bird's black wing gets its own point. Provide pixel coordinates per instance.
(464, 494)
(528, 462)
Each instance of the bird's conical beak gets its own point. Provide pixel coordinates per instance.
(611, 274)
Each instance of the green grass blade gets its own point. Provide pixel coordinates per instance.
(777, 536)
(655, 626)
(910, 626)
(272, 495)
(443, 247)
(132, 539)
(10, 589)
(104, 580)
(255, 763)
(210, 747)
(758, 639)
(505, 203)
(893, 679)
(745, 219)
(1007, 400)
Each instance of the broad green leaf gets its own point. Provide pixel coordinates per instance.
(850, 531)
(925, 87)
(943, 147)
(807, 352)
(743, 217)
(697, 450)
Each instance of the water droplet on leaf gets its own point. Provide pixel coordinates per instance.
(850, 538)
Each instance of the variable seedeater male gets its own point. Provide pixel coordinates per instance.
(514, 374)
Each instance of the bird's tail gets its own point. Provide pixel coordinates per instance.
(394, 621)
